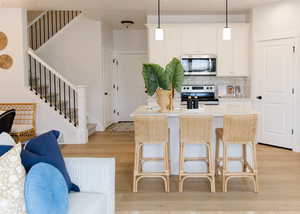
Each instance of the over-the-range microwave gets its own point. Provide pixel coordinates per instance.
(199, 65)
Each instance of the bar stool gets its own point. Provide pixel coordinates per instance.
(238, 129)
(151, 130)
(196, 130)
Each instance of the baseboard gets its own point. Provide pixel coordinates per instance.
(296, 149)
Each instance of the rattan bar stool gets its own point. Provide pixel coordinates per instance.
(238, 129)
(151, 130)
(196, 130)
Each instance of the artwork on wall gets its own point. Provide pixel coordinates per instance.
(3, 41)
(6, 61)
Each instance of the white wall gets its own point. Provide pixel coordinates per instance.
(130, 41)
(276, 20)
(75, 52)
(106, 74)
(12, 81)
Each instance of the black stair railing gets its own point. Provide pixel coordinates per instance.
(47, 25)
(53, 88)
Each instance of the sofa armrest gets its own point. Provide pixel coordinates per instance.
(95, 175)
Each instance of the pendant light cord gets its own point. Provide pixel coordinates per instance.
(158, 12)
(226, 13)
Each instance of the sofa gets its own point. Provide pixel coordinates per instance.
(96, 179)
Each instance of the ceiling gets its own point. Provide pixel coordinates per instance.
(113, 11)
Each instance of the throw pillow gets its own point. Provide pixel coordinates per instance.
(46, 191)
(45, 148)
(12, 177)
(4, 149)
(6, 139)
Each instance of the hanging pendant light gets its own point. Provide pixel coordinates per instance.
(159, 32)
(227, 29)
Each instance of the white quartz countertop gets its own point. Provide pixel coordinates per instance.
(214, 110)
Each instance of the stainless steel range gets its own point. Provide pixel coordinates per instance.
(205, 94)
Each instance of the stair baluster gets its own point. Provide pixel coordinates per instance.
(41, 88)
(45, 80)
(59, 88)
(65, 104)
(50, 88)
(35, 77)
(30, 73)
(70, 112)
(74, 105)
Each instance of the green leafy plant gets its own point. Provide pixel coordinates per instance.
(170, 78)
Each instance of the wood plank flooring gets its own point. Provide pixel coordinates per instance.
(279, 179)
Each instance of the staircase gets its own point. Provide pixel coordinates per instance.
(49, 85)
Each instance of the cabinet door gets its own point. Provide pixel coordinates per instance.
(233, 55)
(225, 56)
(172, 44)
(156, 48)
(240, 37)
(162, 52)
(199, 39)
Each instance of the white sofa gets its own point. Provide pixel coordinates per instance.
(96, 179)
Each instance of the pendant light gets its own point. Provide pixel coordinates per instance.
(159, 32)
(227, 29)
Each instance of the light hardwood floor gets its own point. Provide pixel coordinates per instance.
(279, 179)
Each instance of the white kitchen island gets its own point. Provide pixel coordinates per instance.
(217, 111)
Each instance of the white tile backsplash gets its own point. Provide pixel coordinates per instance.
(221, 82)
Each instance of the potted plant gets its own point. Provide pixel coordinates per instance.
(163, 82)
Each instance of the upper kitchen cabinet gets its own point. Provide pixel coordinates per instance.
(233, 55)
(199, 39)
(162, 52)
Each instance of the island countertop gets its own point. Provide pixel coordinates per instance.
(214, 110)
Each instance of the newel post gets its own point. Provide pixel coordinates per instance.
(82, 114)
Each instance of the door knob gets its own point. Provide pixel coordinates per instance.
(105, 93)
(259, 97)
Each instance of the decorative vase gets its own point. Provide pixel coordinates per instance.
(164, 100)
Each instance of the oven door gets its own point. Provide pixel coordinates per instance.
(202, 65)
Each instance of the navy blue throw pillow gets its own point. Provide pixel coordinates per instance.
(45, 148)
(4, 149)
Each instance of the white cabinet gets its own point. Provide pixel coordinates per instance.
(199, 39)
(181, 39)
(233, 55)
(162, 52)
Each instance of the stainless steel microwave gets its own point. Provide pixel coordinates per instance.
(199, 65)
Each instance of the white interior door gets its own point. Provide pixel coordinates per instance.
(131, 88)
(275, 98)
(108, 89)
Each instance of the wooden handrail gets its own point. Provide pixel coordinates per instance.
(37, 18)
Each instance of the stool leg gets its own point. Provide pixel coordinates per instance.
(256, 187)
(181, 171)
(211, 167)
(166, 166)
(225, 162)
(136, 166)
(217, 154)
(244, 157)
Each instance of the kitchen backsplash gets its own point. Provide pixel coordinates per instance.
(222, 83)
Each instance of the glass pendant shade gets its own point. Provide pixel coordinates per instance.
(227, 33)
(159, 34)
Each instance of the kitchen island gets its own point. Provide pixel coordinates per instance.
(217, 111)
